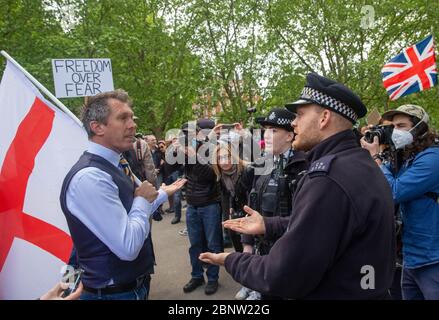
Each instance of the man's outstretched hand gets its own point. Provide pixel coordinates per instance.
(173, 188)
(253, 223)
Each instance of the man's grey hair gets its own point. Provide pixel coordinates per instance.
(97, 108)
(150, 136)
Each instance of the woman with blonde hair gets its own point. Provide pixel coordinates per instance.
(236, 180)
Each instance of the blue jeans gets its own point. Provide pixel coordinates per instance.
(140, 293)
(159, 180)
(177, 196)
(204, 229)
(421, 283)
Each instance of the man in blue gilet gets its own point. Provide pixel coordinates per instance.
(107, 211)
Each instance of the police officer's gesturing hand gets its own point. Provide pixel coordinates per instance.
(253, 223)
(214, 258)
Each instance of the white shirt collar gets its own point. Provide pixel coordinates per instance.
(286, 154)
(110, 155)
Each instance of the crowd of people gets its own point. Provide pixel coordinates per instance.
(322, 211)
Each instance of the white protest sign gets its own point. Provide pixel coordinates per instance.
(81, 77)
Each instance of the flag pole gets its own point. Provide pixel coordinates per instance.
(386, 108)
(42, 88)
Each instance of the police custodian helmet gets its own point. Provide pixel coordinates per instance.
(331, 95)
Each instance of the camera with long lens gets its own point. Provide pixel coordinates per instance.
(383, 132)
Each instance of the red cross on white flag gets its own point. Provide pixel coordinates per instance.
(38, 146)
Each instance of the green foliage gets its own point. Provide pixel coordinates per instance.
(237, 54)
(330, 37)
(26, 29)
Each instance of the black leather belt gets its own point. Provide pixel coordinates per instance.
(120, 287)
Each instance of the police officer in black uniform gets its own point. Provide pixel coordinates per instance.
(339, 242)
(271, 192)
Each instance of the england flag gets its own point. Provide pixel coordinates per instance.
(38, 145)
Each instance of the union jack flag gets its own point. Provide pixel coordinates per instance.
(413, 70)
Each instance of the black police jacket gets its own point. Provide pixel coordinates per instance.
(339, 243)
(296, 164)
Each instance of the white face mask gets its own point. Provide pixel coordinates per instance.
(401, 138)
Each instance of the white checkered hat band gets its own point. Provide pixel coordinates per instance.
(283, 121)
(328, 101)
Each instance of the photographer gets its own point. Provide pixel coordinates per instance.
(203, 216)
(415, 187)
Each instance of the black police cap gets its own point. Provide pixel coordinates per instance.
(278, 117)
(331, 95)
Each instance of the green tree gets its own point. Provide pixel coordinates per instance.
(173, 54)
(337, 39)
(153, 65)
(28, 32)
(229, 38)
